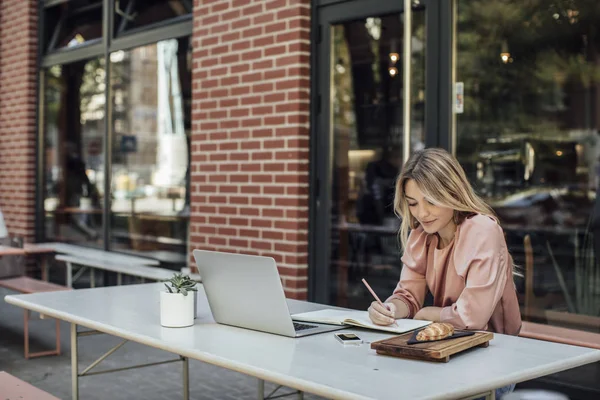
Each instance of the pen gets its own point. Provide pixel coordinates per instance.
(376, 297)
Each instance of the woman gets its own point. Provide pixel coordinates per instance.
(456, 249)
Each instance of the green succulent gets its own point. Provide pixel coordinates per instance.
(180, 283)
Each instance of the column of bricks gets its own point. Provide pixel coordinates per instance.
(250, 132)
(18, 72)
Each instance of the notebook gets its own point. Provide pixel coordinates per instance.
(357, 318)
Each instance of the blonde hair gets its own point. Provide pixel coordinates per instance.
(443, 182)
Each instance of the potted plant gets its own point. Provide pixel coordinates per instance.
(178, 301)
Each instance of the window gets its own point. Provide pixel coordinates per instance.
(151, 94)
(74, 131)
(134, 14)
(134, 191)
(71, 24)
(528, 138)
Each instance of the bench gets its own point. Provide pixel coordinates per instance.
(105, 264)
(558, 334)
(88, 253)
(26, 285)
(13, 388)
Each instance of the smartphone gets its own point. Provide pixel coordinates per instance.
(347, 338)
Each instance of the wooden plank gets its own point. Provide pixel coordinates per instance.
(13, 388)
(560, 335)
(440, 350)
(24, 284)
(32, 248)
(11, 251)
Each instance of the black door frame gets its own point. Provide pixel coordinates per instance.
(438, 81)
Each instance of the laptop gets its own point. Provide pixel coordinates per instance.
(246, 291)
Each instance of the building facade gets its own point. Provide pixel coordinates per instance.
(277, 128)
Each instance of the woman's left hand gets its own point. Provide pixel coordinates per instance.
(429, 314)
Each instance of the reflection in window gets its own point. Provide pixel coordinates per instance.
(134, 14)
(528, 139)
(366, 107)
(74, 130)
(151, 95)
(73, 23)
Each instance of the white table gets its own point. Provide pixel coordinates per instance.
(89, 252)
(316, 364)
(140, 271)
(98, 255)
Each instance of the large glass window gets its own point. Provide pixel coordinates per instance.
(367, 109)
(74, 127)
(116, 132)
(528, 137)
(151, 99)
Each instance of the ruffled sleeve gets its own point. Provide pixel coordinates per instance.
(412, 287)
(481, 259)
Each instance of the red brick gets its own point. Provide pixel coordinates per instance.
(250, 131)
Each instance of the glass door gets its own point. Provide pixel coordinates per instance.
(363, 132)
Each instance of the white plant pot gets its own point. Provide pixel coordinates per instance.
(176, 310)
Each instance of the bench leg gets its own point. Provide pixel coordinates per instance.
(45, 268)
(28, 355)
(92, 277)
(69, 275)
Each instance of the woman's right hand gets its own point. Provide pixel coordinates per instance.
(381, 315)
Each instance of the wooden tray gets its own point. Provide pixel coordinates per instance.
(439, 351)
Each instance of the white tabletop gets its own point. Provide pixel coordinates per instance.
(88, 252)
(316, 364)
(143, 271)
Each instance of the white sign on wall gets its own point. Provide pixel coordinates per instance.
(459, 97)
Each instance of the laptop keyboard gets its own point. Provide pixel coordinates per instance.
(300, 327)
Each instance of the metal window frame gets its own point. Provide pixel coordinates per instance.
(174, 28)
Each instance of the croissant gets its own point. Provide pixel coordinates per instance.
(435, 331)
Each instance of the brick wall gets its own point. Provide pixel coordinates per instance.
(250, 132)
(18, 47)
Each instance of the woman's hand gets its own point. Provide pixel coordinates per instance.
(381, 315)
(429, 314)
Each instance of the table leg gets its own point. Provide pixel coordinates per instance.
(261, 390)
(186, 378)
(74, 364)
(119, 279)
(57, 327)
(491, 395)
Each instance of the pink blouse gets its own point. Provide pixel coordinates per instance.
(470, 278)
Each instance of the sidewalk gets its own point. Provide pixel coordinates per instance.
(53, 374)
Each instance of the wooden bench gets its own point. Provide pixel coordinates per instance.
(140, 271)
(13, 388)
(26, 285)
(558, 334)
